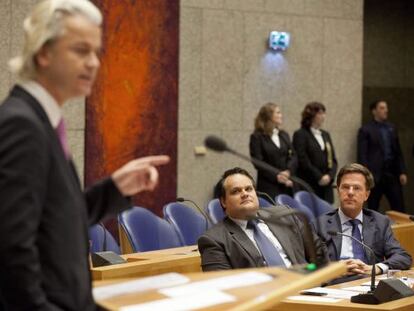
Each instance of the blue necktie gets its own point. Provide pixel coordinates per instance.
(357, 248)
(269, 252)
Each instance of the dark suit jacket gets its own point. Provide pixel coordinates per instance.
(377, 234)
(313, 161)
(226, 246)
(263, 148)
(371, 150)
(44, 215)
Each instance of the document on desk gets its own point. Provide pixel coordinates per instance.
(220, 283)
(140, 285)
(197, 301)
(329, 292)
(314, 299)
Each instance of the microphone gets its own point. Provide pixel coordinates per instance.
(264, 194)
(368, 297)
(205, 215)
(273, 216)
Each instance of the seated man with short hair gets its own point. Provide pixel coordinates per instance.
(354, 183)
(240, 242)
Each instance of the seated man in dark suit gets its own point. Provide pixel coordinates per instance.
(354, 183)
(239, 242)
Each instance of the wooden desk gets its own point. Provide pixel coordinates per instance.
(404, 304)
(255, 297)
(181, 259)
(398, 217)
(404, 233)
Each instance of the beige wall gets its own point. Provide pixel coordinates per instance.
(226, 74)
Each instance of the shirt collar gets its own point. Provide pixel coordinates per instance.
(315, 131)
(344, 219)
(45, 99)
(240, 222)
(275, 131)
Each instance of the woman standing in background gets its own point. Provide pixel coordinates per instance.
(272, 145)
(316, 154)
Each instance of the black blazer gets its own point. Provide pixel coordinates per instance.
(44, 215)
(226, 246)
(313, 161)
(263, 148)
(377, 234)
(371, 150)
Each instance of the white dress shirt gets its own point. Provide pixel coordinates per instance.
(48, 103)
(269, 234)
(275, 137)
(318, 135)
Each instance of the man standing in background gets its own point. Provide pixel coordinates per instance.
(379, 150)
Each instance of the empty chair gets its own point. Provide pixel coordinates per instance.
(188, 223)
(285, 199)
(316, 204)
(146, 231)
(102, 240)
(215, 211)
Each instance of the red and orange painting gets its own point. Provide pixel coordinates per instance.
(132, 111)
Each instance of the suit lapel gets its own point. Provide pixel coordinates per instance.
(242, 239)
(368, 232)
(334, 224)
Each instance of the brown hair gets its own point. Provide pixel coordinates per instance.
(356, 168)
(309, 112)
(263, 122)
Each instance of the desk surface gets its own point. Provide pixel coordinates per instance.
(261, 296)
(405, 304)
(181, 259)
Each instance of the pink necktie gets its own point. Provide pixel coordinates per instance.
(61, 131)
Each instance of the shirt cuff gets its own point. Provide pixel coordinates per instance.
(383, 267)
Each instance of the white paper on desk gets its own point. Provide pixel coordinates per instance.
(359, 289)
(140, 285)
(220, 283)
(332, 292)
(200, 300)
(313, 298)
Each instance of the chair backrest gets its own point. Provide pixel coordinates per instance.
(146, 231)
(188, 223)
(285, 199)
(102, 240)
(316, 204)
(263, 202)
(215, 211)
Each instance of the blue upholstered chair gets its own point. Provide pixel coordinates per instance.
(215, 211)
(285, 199)
(146, 231)
(263, 202)
(315, 204)
(188, 223)
(102, 240)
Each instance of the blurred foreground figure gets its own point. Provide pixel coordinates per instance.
(44, 215)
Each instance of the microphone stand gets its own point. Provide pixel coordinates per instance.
(205, 215)
(264, 194)
(369, 297)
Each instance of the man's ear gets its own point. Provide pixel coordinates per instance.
(42, 57)
(368, 193)
(223, 205)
